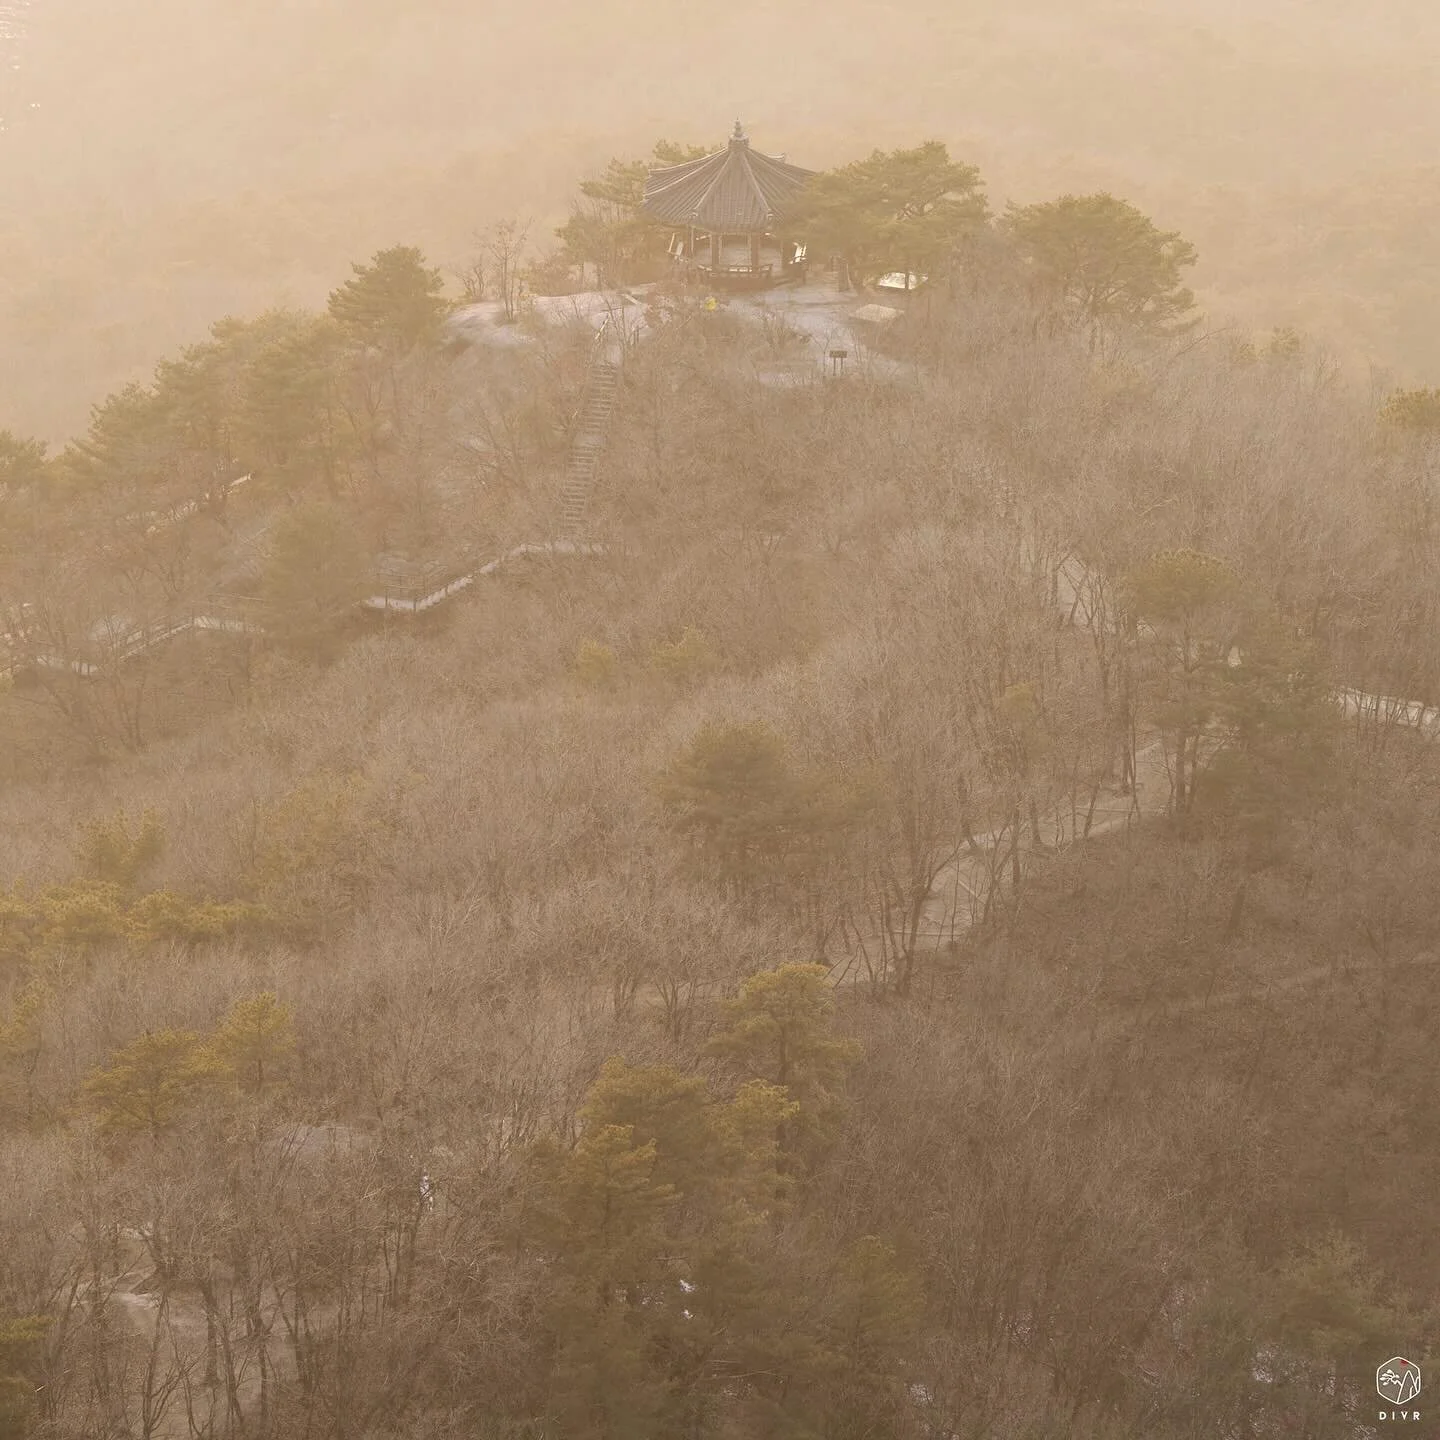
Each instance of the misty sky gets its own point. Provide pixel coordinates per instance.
(164, 163)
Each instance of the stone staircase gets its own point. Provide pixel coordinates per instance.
(592, 430)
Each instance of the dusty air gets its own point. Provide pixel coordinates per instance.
(718, 723)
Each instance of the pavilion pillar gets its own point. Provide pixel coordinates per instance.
(715, 249)
(755, 252)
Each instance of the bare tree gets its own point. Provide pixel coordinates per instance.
(506, 248)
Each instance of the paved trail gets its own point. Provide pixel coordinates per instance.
(960, 893)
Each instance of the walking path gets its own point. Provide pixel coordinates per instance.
(117, 641)
(419, 598)
(965, 889)
(1261, 992)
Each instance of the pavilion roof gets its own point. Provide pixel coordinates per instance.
(736, 190)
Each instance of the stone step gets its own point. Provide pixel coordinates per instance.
(592, 424)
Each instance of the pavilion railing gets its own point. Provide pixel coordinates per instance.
(736, 272)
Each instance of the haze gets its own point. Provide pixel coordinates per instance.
(806, 820)
(166, 163)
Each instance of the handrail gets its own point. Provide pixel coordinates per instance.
(596, 350)
(425, 586)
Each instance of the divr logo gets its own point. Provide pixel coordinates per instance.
(1398, 1381)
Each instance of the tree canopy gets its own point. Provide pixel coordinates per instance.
(779, 1030)
(751, 812)
(607, 229)
(150, 1082)
(1191, 604)
(1107, 260)
(1417, 411)
(289, 421)
(317, 569)
(22, 461)
(248, 396)
(397, 300)
(907, 210)
(659, 1230)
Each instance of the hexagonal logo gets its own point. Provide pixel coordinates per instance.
(1398, 1380)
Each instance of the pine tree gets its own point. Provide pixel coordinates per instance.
(779, 1030)
(1107, 260)
(908, 211)
(151, 1082)
(254, 1043)
(395, 302)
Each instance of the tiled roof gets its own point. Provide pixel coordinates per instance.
(737, 190)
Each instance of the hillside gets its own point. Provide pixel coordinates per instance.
(522, 1018)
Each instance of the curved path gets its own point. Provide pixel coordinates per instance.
(964, 890)
(1261, 991)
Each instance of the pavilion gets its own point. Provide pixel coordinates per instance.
(729, 209)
